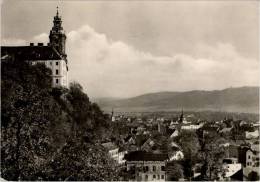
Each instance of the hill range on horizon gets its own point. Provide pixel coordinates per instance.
(234, 99)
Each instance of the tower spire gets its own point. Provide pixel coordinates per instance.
(57, 35)
(57, 14)
(181, 116)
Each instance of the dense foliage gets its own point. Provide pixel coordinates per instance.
(174, 171)
(49, 133)
(190, 145)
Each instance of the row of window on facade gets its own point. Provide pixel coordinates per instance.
(154, 168)
(255, 164)
(146, 168)
(58, 80)
(57, 63)
(57, 72)
(50, 62)
(154, 177)
(254, 158)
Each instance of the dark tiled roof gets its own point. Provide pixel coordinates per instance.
(141, 139)
(122, 149)
(126, 139)
(145, 156)
(30, 53)
(238, 176)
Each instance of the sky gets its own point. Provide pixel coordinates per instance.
(129, 48)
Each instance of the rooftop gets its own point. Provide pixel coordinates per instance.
(30, 53)
(145, 156)
(109, 146)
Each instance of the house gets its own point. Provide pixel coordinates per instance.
(252, 161)
(146, 166)
(191, 126)
(112, 150)
(161, 128)
(121, 155)
(231, 166)
(113, 118)
(129, 140)
(52, 55)
(173, 124)
(148, 144)
(252, 135)
(174, 134)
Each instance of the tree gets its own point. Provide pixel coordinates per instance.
(211, 155)
(81, 160)
(49, 133)
(174, 171)
(190, 146)
(28, 113)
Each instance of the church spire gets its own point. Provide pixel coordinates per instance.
(181, 116)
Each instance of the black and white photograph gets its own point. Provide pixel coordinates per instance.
(130, 90)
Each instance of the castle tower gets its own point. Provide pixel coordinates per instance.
(57, 35)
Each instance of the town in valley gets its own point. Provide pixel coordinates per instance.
(52, 129)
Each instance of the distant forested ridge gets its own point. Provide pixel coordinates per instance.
(50, 133)
(240, 99)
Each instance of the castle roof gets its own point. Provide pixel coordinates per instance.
(30, 53)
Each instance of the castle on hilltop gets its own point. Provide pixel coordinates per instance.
(53, 55)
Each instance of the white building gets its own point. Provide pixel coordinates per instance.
(252, 135)
(59, 71)
(252, 160)
(146, 166)
(121, 156)
(231, 166)
(52, 55)
(192, 126)
(112, 150)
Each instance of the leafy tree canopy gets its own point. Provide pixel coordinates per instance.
(49, 133)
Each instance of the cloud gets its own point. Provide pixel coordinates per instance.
(108, 68)
(13, 42)
(43, 38)
(112, 68)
